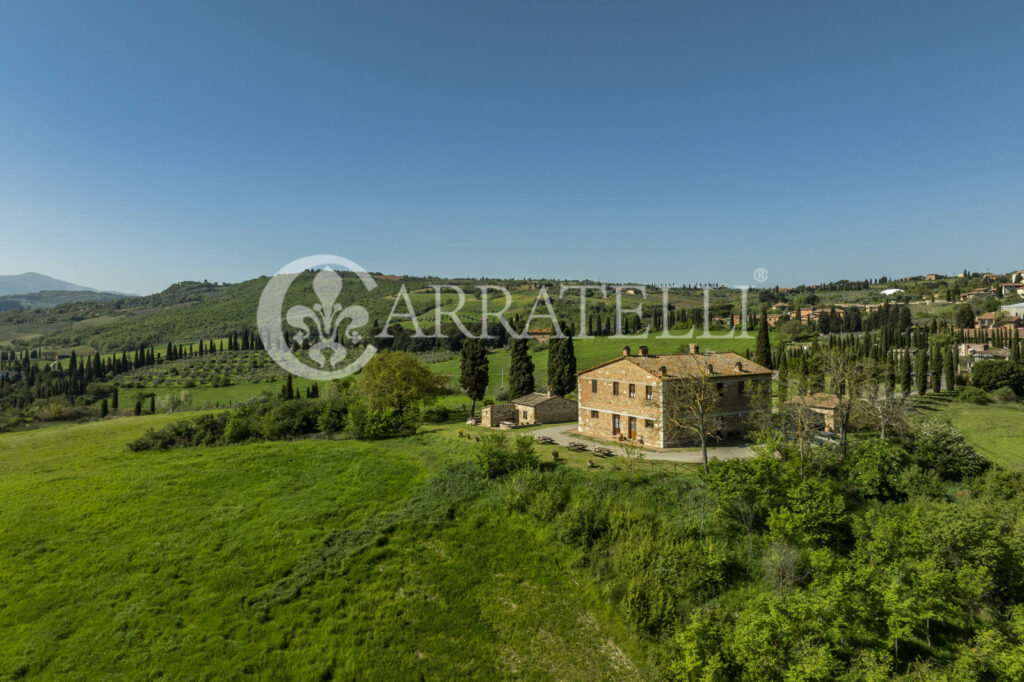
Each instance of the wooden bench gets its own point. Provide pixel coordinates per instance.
(544, 440)
(576, 446)
(603, 452)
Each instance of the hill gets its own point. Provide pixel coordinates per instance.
(32, 282)
(51, 299)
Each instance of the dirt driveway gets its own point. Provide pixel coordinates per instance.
(562, 434)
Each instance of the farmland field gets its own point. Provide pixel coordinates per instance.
(288, 560)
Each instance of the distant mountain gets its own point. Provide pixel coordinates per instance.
(32, 282)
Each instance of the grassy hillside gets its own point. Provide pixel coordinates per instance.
(301, 560)
(188, 311)
(994, 430)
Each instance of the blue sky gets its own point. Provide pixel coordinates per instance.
(143, 143)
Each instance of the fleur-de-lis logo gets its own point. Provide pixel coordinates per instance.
(327, 324)
(327, 316)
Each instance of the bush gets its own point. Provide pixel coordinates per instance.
(990, 375)
(973, 394)
(1004, 395)
(370, 424)
(497, 458)
(207, 429)
(437, 414)
(939, 446)
(333, 415)
(875, 467)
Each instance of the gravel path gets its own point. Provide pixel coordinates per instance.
(563, 433)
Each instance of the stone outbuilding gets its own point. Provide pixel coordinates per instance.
(823, 404)
(530, 409)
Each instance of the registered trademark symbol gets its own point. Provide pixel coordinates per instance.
(760, 275)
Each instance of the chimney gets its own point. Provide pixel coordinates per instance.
(711, 368)
(664, 371)
(550, 394)
(625, 351)
(643, 351)
(739, 366)
(694, 349)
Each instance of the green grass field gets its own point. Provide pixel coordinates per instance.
(994, 430)
(285, 560)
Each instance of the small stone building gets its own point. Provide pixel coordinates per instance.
(823, 404)
(530, 409)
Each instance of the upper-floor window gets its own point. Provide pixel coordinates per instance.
(742, 387)
(632, 390)
(615, 388)
(593, 414)
(593, 385)
(721, 388)
(649, 392)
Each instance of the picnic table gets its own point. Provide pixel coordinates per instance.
(576, 446)
(544, 440)
(603, 451)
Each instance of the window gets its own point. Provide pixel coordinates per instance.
(615, 388)
(742, 387)
(632, 390)
(593, 385)
(649, 423)
(649, 393)
(593, 414)
(721, 388)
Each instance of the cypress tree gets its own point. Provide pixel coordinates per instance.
(520, 371)
(921, 368)
(762, 349)
(949, 370)
(138, 407)
(103, 408)
(474, 376)
(562, 367)
(113, 399)
(152, 404)
(906, 379)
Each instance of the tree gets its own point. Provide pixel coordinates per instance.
(965, 316)
(113, 399)
(921, 371)
(152, 404)
(561, 366)
(287, 392)
(949, 369)
(138, 407)
(520, 371)
(474, 371)
(695, 407)
(762, 348)
(103, 408)
(990, 375)
(396, 380)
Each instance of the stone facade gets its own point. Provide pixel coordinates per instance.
(531, 409)
(630, 397)
(492, 415)
(542, 408)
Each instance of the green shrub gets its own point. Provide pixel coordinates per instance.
(333, 415)
(938, 446)
(496, 457)
(974, 395)
(1004, 394)
(371, 424)
(522, 488)
(990, 375)
(875, 467)
(437, 414)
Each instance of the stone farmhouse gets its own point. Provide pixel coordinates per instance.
(631, 397)
(528, 410)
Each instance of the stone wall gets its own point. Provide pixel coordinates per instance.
(492, 415)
